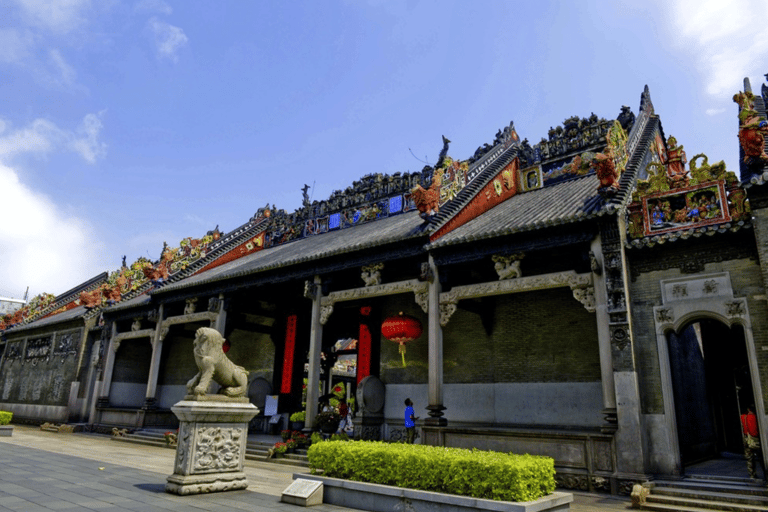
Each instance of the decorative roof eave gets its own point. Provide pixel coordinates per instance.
(61, 302)
(754, 168)
(219, 274)
(72, 315)
(674, 236)
(218, 249)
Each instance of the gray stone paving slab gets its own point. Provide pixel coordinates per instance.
(90, 472)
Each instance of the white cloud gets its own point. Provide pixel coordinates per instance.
(168, 38)
(65, 74)
(43, 247)
(15, 46)
(714, 111)
(86, 139)
(43, 136)
(727, 39)
(59, 16)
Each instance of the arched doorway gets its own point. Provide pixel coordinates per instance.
(711, 381)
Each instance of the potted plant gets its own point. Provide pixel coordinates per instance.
(298, 419)
(290, 446)
(300, 439)
(327, 422)
(171, 438)
(285, 434)
(279, 449)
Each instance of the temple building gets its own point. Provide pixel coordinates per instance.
(598, 297)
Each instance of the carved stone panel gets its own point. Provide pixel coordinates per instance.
(66, 344)
(38, 350)
(217, 449)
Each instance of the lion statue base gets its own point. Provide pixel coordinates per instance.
(213, 364)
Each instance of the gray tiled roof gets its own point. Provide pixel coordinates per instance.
(64, 316)
(335, 243)
(126, 304)
(565, 202)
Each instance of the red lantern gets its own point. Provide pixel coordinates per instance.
(401, 329)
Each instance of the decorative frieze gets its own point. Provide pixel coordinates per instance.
(581, 282)
(418, 288)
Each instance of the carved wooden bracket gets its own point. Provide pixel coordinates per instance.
(581, 283)
(420, 290)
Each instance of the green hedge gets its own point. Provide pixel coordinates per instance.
(476, 473)
(5, 417)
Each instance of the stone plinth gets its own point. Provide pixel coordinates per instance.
(211, 449)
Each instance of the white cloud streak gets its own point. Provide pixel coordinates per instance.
(169, 39)
(728, 40)
(58, 16)
(43, 136)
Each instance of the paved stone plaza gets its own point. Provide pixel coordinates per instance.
(42, 471)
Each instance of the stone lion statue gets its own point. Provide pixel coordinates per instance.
(213, 363)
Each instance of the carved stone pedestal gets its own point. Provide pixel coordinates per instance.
(211, 449)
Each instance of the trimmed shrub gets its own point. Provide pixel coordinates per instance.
(475, 473)
(5, 417)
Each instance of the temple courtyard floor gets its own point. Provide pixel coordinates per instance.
(42, 471)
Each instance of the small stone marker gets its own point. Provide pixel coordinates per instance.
(303, 492)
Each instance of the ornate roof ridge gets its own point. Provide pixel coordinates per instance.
(480, 179)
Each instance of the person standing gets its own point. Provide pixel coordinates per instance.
(752, 449)
(410, 422)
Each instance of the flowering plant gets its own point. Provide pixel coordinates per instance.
(279, 448)
(171, 439)
(291, 444)
(285, 434)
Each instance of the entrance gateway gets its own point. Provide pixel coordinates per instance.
(708, 366)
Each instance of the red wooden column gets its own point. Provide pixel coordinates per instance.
(364, 345)
(288, 354)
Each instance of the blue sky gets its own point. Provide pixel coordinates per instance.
(127, 124)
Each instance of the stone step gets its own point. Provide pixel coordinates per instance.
(254, 450)
(661, 507)
(758, 497)
(666, 502)
(720, 484)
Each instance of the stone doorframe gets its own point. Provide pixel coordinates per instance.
(701, 296)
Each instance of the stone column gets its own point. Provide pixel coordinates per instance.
(221, 320)
(602, 318)
(154, 365)
(109, 365)
(315, 292)
(630, 458)
(435, 358)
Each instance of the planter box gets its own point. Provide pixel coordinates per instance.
(384, 498)
(6, 430)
